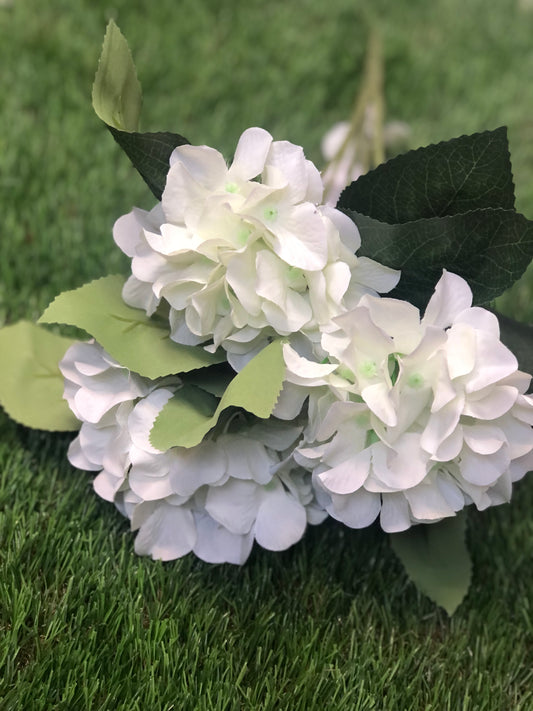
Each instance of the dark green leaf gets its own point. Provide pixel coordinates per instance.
(117, 101)
(150, 154)
(255, 388)
(436, 559)
(117, 97)
(31, 384)
(464, 174)
(214, 379)
(136, 341)
(489, 248)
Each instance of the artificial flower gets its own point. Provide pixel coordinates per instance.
(245, 252)
(214, 499)
(412, 419)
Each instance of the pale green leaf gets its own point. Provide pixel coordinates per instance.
(436, 559)
(136, 341)
(117, 96)
(31, 384)
(255, 389)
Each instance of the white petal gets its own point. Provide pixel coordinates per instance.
(149, 488)
(400, 468)
(168, 533)
(374, 275)
(451, 447)
(452, 295)
(346, 228)
(215, 544)
(378, 399)
(184, 198)
(481, 320)
(519, 436)
(347, 476)
(461, 350)
(204, 164)
(140, 295)
(302, 371)
(250, 154)
(427, 502)
(395, 516)
(247, 459)
(234, 505)
(484, 439)
(106, 485)
(494, 402)
(441, 424)
(79, 459)
(484, 471)
(289, 159)
(355, 510)
(281, 520)
(196, 467)
(494, 361)
(396, 318)
(300, 238)
(127, 233)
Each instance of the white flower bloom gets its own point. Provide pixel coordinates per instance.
(214, 499)
(244, 252)
(420, 416)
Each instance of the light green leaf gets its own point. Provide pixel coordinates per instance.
(181, 423)
(31, 384)
(136, 341)
(436, 559)
(117, 96)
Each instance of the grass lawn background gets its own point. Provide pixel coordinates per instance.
(333, 622)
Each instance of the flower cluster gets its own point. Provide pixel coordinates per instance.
(413, 418)
(214, 499)
(239, 260)
(382, 412)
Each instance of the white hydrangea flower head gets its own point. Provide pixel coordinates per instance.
(420, 416)
(214, 499)
(217, 498)
(243, 252)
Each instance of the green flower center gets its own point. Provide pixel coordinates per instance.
(415, 380)
(270, 213)
(368, 369)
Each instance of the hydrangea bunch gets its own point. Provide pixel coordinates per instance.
(250, 376)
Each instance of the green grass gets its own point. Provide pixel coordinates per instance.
(333, 622)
